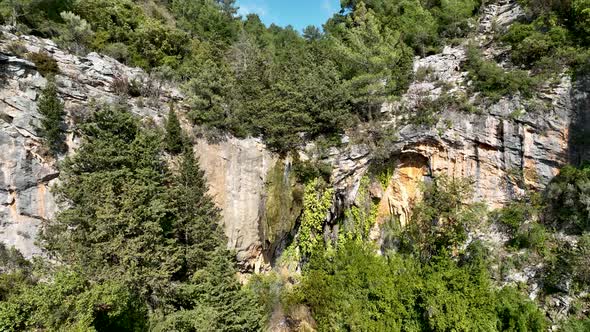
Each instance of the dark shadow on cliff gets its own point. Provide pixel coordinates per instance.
(579, 130)
(3, 70)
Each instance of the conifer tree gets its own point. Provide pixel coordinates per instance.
(218, 287)
(174, 136)
(52, 111)
(196, 226)
(116, 220)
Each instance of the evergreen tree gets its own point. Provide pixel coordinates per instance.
(218, 287)
(373, 60)
(174, 139)
(52, 111)
(196, 226)
(116, 223)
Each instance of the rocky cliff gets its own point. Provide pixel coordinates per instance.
(502, 146)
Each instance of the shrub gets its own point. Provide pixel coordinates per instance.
(439, 224)
(46, 65)
(353, 289)
(118, 51)
(120, 85)
(531, 236)
(425, 112)
(77, 34)
(529, 44)
(52, 112)
(575, 325)
(135, 88)
(492, 81)
(17, 48)
(308, 170)
(568, 197)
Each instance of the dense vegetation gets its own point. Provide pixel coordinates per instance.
(249, 79)
(139, 246)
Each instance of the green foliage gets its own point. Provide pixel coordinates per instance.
(115, 182)
(568, 198)
(284, 203)
(46, 65)
(52, 121)
(517, 212)
(217, 286)
(195, 230)
(515, 313)
(174, 139)
(308, 170)
(77, 33)
(569, 267)
(575, 325)
(453, 16)
(530, 45)
(149, 42)
(556, 39)
(69, 302)
(211, 20)
(354, 289)
(531, 236)
(269, 290)
(360, 218)
(492, 81)
(316, 204)
(374, 61)
(581, 262)
(439, 223)
(154, 235)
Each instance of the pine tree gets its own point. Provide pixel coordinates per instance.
(373, 59)
(209, 293)
(52, 111)
(117, 220)
(174, 136)
(196, 227)
(218, 287)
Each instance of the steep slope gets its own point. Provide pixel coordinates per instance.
(502, 146)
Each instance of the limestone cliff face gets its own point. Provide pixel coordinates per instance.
(511, 142)
(503, 147)
(236, 169)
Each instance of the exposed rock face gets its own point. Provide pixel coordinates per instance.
(236, 169)
(501, 146)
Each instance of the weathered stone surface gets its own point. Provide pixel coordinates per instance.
(236, 171)
(512, 138)
(501, 146)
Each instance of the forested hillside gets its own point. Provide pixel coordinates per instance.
(138, 243)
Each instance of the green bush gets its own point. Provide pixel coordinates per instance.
(531, 236)
(440, 223)
(568, 198)
(575, 325)
(530, 45)
(354, 289)
(52, 113)
(493, 81)
(513, 215)
(46, 65)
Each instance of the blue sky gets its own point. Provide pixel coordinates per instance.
(298, 13)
